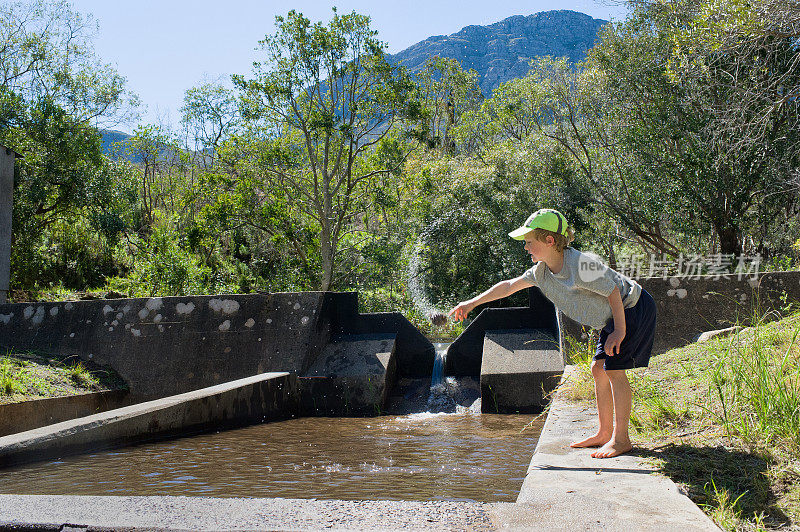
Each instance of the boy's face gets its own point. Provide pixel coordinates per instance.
(537, 249)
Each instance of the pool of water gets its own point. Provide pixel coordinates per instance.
(445, 456)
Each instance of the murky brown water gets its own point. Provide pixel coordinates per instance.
(466, 456)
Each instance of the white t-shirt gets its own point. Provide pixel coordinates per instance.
(581, 289)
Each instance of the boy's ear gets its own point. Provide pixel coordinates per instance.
(550, 240)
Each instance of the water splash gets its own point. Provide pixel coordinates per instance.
(415, 279)
(449, 394)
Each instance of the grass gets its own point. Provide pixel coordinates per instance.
(722, 419)
(25, 376)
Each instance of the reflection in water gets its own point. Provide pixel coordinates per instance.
(478, 457)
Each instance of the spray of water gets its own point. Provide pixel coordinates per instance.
(447, 394)
(415, 279)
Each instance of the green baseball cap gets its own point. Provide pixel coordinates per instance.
(549, 219)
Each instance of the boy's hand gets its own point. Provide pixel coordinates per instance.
(460, 311)
(613, 342)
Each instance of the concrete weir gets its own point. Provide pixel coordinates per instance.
(203, 363)
(356, 371)
(519, 370)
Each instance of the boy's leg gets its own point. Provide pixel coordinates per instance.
(620, 441)
(605, 408)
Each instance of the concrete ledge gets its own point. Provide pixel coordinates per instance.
(44, 512)
(27, 415)
(567, 489)
(268, 396)
(519, 370)
(465, 353)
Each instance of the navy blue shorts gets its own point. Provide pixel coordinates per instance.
(640, 329)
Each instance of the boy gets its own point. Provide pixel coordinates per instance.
(590, 293)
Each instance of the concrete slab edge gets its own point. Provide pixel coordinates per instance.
(263, 397)
(47, 512)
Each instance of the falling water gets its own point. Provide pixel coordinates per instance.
(438, 364)
(451, 394)
(446, 394)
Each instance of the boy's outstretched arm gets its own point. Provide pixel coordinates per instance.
(498, 291)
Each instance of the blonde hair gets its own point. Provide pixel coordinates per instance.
(562, 241)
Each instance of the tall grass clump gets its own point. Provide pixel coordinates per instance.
(755, 379)
(580, 353)
(10, 381)
(81, 376)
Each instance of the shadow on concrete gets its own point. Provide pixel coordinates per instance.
(703, 470)
(597, 470)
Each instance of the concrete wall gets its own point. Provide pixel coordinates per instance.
(165, 346)
(414, 353)
(6, 204)
(690, 306)
(27, 415)
(256, 399)
(170, 345)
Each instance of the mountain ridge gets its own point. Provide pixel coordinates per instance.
(502, 50)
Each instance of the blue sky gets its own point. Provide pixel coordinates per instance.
(165, 47)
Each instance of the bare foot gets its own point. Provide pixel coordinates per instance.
(612, 448)
(592, 441)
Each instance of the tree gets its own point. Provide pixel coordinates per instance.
(324, 96)
(445, 92)
(62, 183)
(46, 52)
(672, 124)
(570, 107)
(210, 115)
(740, 60)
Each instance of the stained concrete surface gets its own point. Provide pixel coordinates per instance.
(519, 370)
(567, 489)
(265, 397)
(188, 342)
(193, 342)
(353, 375)
(190, 513)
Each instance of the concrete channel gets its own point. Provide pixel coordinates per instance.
(239, 360)
(564, 489)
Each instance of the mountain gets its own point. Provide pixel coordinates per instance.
(502, 51)
(114, 141)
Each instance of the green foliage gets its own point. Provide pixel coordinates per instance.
(67, 203)
(324, 96)
(162, 267)
(463, 245)
(47, 53)
(328, 167)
